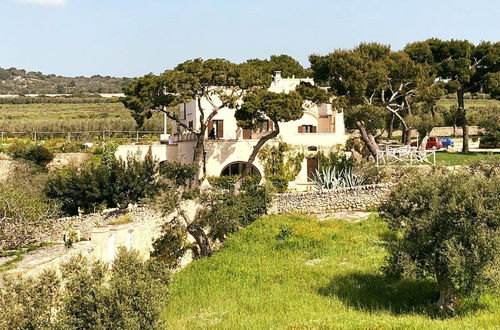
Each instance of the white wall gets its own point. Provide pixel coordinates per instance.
(160, 152)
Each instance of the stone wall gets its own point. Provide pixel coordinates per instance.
(100, 239)
(86, 224)
(338, 200)
(5, 168)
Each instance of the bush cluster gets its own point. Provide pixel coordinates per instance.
(28, 151)
(179, 174)
(228, 182)
(86, 295)
(109, 183)
(24, 209)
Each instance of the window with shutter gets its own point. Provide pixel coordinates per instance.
(220, 128)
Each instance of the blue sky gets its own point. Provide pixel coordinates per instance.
(132, 37)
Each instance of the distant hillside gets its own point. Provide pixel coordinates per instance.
(18, 81)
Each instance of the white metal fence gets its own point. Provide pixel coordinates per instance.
(405, 155)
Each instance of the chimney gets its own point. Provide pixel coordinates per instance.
(277, 76)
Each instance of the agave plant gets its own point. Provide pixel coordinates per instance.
(328, 178)
(349, 179)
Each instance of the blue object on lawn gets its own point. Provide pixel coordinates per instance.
(447, 142)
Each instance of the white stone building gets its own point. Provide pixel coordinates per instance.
(320, 128)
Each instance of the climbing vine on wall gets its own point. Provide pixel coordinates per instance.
(335, 158)
(281, 161)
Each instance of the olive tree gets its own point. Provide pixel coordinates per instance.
(447, 227)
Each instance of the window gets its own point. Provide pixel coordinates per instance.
(265, 126)
(237, 169)
(216, 129)
(190, 124)
(307, 129)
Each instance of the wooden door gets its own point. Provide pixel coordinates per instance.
(312, 166)
(247, 134)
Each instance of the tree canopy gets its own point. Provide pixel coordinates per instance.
(462, 66)
(372, 82)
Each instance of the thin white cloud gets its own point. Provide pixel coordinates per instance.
(51, 3)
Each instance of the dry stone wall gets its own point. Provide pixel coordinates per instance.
(86, 224)
(338, 200)
(5, 168)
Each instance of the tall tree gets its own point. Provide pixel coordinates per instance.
(464, 67)
(261, 105)
(371, 82)
(216, 82)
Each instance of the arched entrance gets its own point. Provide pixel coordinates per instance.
(237, 168)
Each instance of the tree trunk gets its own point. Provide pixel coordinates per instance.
(199, 157)
(368, 139)
(202, 241)
(447, 294)
(463, 119)
(254, 154)
(391, 127)
(407, 136)
(422, 143)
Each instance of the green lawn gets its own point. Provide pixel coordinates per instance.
(452, 159)
(258, 281)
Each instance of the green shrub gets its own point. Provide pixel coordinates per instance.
(279, 183)
(36, 154)
(171, 245)
(109, 183)
(448, 228)
(226, 212)
(222, 212)
(223, 182)
(489, 167)
(180, 174)
(24, 209)
(228, 182)
(86, 295)
(124, 219)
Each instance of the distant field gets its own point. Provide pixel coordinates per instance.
(469, 103)
(70, 117)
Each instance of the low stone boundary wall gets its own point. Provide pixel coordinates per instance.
(338, 200)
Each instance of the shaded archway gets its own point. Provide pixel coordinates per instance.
(237, 169)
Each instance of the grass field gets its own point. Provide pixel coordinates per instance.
(53, 117)
(452, 159)
(470, 103)
(323, 275)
